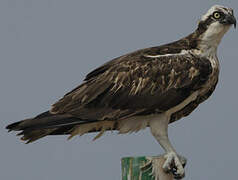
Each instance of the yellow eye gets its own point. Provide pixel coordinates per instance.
(216, 15)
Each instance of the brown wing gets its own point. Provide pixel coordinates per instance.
(135, 84)
(131, 85)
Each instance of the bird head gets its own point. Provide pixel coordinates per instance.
(214, 24)
(219, 16)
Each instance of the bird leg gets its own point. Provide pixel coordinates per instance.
(173, 162)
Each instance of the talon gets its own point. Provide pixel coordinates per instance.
(183, 160)
(174, 164)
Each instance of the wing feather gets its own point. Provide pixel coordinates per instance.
(135, 83)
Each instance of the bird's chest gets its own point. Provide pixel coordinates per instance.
(213, 77)
(202, 94)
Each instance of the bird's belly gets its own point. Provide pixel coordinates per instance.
(136, 123)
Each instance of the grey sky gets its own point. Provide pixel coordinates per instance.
(48, 46)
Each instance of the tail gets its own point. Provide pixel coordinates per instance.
(57, 124)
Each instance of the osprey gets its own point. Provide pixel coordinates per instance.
(150, 87)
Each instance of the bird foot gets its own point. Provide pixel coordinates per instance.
(174, 164)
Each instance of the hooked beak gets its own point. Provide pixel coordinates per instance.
(229, 20)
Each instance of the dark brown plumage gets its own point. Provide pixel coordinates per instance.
(113, 91)
(144, 82)
(147, 88)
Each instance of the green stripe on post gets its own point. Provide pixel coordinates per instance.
(144, 168)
